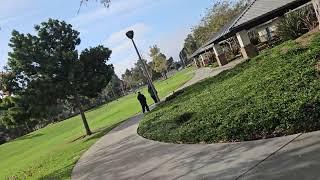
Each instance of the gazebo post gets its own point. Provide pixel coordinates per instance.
(220, 55)
(195, 62)
(248, 50)
(202, 59)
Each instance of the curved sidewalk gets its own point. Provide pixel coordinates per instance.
(122, 154)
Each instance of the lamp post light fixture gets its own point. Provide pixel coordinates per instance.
(130, 35)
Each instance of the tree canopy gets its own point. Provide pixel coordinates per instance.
(47, 68)
(159, 60)
(220, 13)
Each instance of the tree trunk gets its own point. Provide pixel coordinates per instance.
(123, 92)
(85, 122)
(165, 74)
(83, 116)
(27, 126)
(316, 6)
(113, 94)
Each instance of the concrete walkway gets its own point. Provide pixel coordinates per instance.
(122, 154)
(206, 72)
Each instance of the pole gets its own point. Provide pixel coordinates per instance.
(144, 67)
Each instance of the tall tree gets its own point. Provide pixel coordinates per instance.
(220, 13)
(183, 57)
(190, 44)
(159, 60)
(170, 63)
(127, 78)
(114, 88)
(47, 66)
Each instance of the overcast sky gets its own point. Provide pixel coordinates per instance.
(162, 22)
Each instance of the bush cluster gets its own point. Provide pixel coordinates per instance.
(297, 23)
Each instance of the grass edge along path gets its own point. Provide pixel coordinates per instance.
(51, 152)
(274, 94)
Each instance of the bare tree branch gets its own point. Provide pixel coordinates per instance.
(106, 3)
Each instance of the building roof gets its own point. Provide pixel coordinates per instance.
(256, 13)
(260, 11)
(221, 33)
(207, 45)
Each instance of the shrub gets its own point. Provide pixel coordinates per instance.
(174, 95)
(296, 23)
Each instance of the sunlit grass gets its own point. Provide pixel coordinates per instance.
(51, 152)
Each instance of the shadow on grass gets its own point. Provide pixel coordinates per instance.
(97, 134)
(28, 136)
(102, 131)
(63, 173)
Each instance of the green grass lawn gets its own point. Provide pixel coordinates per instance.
(275, 94)
(51, 152)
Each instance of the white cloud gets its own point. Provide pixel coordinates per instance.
(140, 29)
(3, 58)
(172, 43)
(7, 20)
(122, 64)
(11, 11)
(123, 55)
(10, 8)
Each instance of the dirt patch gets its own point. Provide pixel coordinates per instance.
(305, 39)
(284, 50)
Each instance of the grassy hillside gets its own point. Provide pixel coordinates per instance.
(51, 152)
(277, 93)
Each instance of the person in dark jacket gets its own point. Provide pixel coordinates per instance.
(143, 101)
(153, 96)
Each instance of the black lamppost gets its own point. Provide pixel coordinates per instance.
(130, 35)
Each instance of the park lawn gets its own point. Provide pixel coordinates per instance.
(274, 94)
(51, 152)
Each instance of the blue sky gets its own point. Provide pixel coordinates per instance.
(162, 22)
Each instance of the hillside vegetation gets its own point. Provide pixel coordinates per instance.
(275, 94)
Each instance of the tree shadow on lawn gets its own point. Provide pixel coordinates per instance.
(97, 133)
(102, 131)
(29, 136)
(63, 173)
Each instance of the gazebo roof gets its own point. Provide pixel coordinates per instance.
(256, 13)
(261, 11)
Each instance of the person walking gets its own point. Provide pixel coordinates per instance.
(143, 101)
(153, 96)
